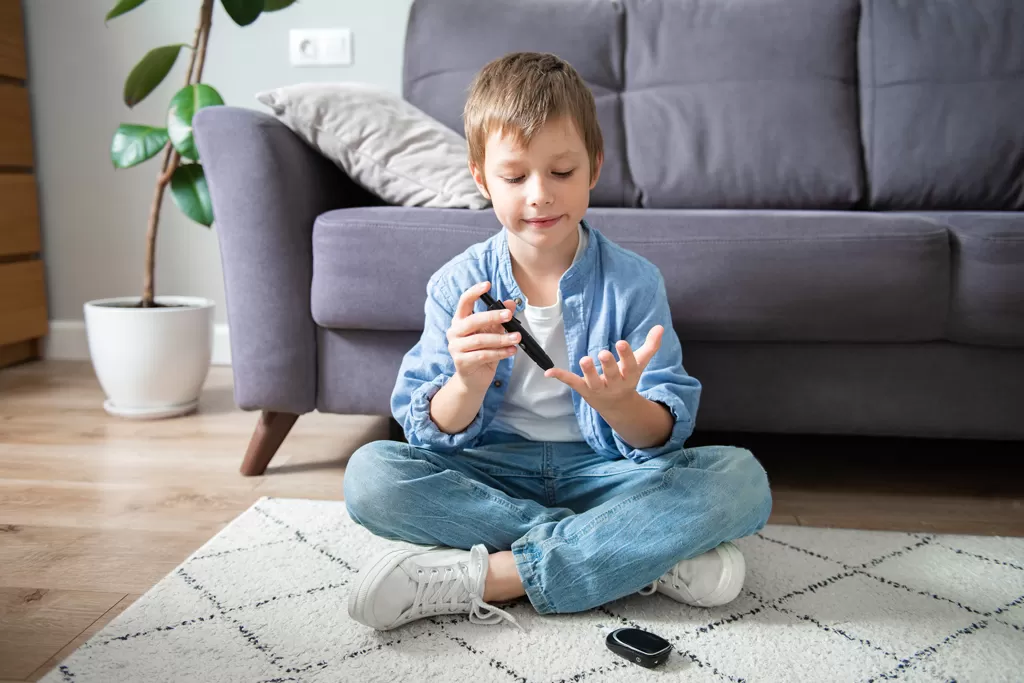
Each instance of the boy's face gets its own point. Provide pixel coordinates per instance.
(539, 193)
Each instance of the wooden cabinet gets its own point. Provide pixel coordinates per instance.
(23, 310)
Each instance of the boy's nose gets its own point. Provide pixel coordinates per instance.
(539, 193)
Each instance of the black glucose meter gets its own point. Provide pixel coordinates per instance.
(639, 646)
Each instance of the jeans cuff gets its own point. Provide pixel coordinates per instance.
(526, 555)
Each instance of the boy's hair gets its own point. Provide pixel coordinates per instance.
(518, 93)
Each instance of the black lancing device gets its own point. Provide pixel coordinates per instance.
(527, 343)
(639, 646)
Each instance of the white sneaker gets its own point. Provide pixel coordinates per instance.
(708, 580)
(406, 584)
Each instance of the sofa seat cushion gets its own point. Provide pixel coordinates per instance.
(987, 298)
(730, 275)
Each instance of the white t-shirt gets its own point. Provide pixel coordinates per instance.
(536, 407)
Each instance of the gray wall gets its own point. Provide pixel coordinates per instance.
(93, 217)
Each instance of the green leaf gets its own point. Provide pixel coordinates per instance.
(183, 107)
(134, 144)
(150, 72)
(190, 193)
(243, 12)
(275, 5)
(123, 7)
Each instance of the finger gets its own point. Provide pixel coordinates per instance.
(510, 306)
(475, 342)
(627, 361)
(650, 347)
(464, 309)
(483, 321)
(573, 381)
(590, 376)
(488, 355)
(612, 376)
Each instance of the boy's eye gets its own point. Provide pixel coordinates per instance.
(557, 174)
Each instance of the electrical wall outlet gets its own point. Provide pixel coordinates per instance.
(320, 47)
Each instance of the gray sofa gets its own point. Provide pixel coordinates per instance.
(833, 190)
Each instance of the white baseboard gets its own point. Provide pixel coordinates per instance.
(67, 341)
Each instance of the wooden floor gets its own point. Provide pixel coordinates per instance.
(95, 510)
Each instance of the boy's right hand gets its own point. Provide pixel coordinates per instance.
(477, 341)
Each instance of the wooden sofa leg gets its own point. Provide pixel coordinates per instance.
(271, 429)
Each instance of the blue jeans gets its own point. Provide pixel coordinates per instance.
(584, 530)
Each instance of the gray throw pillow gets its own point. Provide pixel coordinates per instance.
(384, 143)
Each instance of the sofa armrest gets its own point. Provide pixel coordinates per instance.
(267, 187)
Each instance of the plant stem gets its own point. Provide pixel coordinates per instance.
(208, 7)
(171, 157)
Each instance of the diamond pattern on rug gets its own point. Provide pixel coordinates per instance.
(292, 567)
(846, 547)
(981, 584)
(266, 600)
(999, 642)
(180, 654)
(795, 650)
(585, 631)
(782, 569)
(244, 533)
(871, 611)
(1013, 616)
(169, 605)
(284, 624)
(427, 655)
(990, 546)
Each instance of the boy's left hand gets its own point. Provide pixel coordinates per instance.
(619, 380)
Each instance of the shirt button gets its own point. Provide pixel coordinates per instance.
(497, 382)
(519, 301)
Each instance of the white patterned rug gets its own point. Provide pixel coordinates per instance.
(265, 600)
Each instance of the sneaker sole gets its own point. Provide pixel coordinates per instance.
(734, 570)
(368, 579)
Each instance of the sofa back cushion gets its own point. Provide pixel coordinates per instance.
(942, 90)
(702, 103)
(449, 41)
(765, 104)
(749, 104)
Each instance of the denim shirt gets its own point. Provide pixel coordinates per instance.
(608, 294)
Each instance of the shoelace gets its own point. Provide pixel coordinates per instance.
(454, 589)
(670, 575)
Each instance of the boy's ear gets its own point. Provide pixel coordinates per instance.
(598, 162)
(478, 178)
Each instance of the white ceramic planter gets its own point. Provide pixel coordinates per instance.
(151, 362)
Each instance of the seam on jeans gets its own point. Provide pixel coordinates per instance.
(674, 459)
(481, 491)
(640, 467)
(507, 473)
(665, 482)
(550, 487)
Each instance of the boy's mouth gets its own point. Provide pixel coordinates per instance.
(542, 221)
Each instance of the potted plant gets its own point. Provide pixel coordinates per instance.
(152, 354)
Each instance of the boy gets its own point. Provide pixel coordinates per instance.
(570, 487)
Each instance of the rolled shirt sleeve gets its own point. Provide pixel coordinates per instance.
(425, 368)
